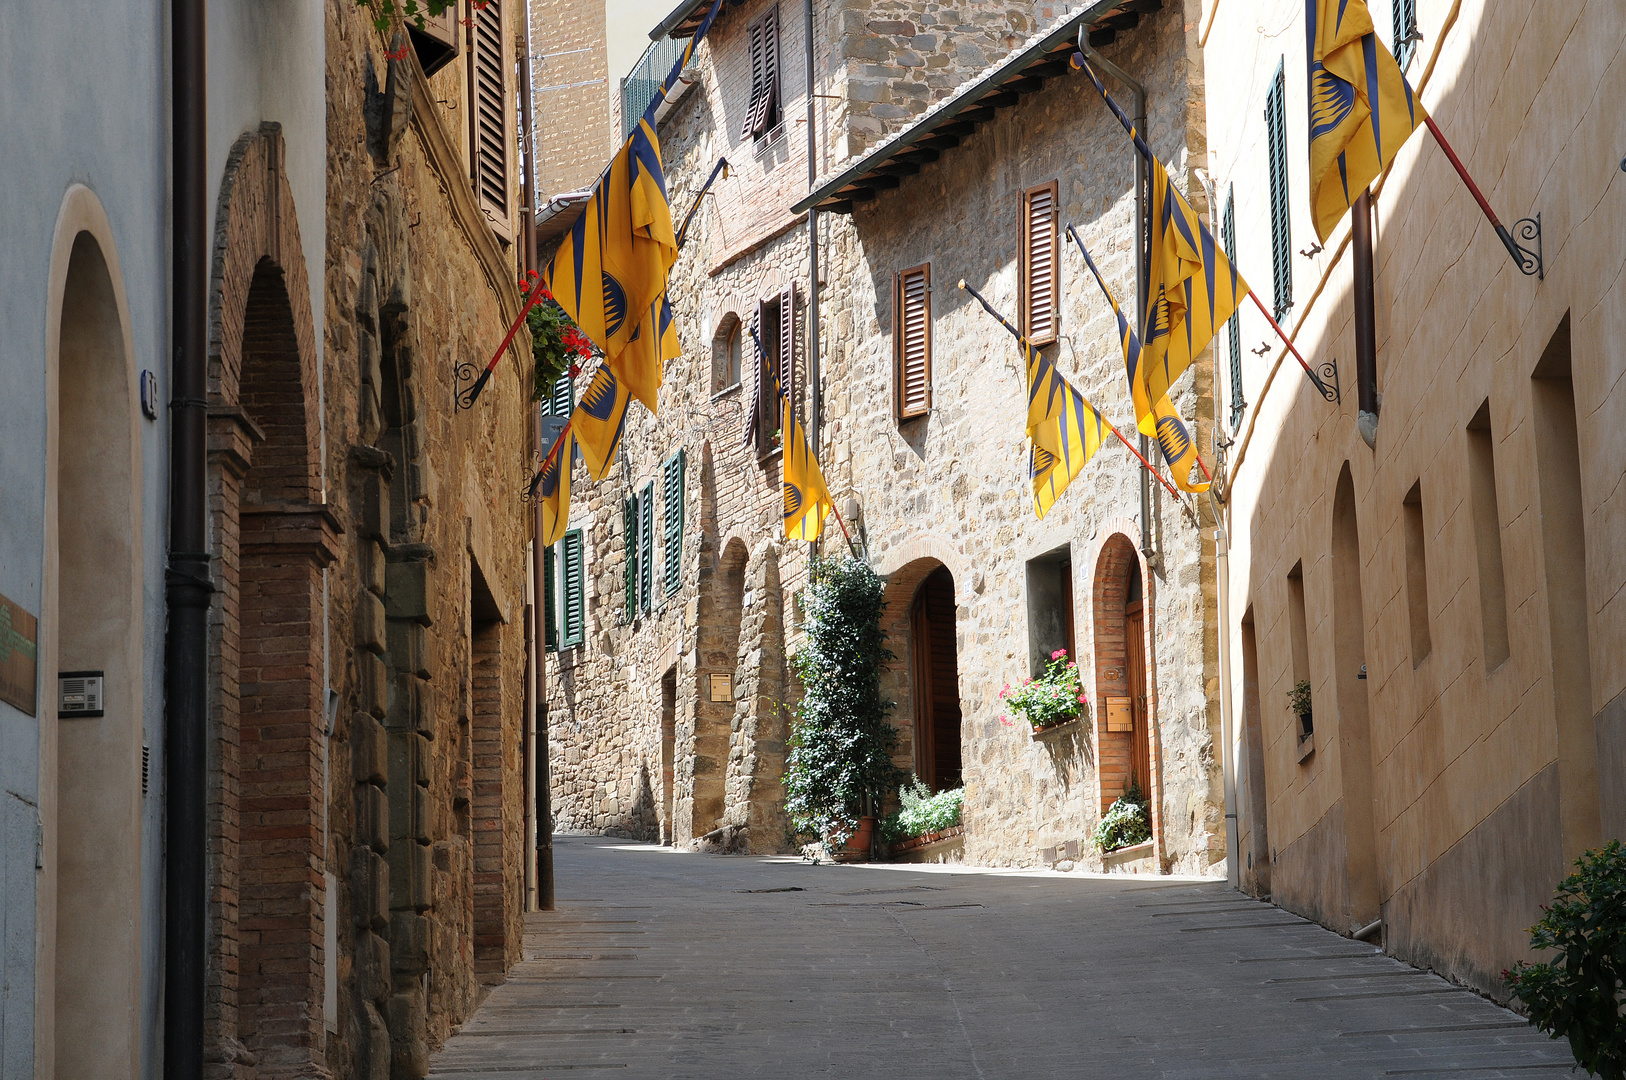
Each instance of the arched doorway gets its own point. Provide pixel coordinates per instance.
(935, 679)
(1354, 724)
(1123, 713)
(96, 628)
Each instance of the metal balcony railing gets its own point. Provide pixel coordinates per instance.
(640, 88)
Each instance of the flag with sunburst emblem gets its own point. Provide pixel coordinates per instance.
(599, 419)
(807, 499)
(553, 489)
(1173, 438)
(1362, 110)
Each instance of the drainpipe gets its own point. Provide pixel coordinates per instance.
(1142, 258)
(1366, 337)
(528, 151)
(544, 782)
(816, 403)
(187, 587)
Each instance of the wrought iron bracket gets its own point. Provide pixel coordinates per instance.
(467, 382)
(1327, 382)
(1528, 231)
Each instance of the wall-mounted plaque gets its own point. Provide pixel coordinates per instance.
(1120, 714)
(722, 687)
(19, 659)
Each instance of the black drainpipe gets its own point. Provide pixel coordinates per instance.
(187, 587)
(815, 397)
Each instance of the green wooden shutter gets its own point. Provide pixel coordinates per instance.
(1281, 233)
(575, 589)
(673, 482)
(646, 548)
(1405, 25)
(1234, 326)
(550, 602)
(629, 526)
(562, 402)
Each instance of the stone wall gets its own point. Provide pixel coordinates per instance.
(947, 490)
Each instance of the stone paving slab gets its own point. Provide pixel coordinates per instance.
(666, 965)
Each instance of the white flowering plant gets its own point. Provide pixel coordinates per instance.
(1053, 698)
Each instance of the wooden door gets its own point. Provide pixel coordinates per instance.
(920, 657)
(1140, 745)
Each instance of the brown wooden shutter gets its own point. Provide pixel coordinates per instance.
(912, 341)
(762, 112)
(753, 421)
(1037, 278)
(787, 350)
(489, 116)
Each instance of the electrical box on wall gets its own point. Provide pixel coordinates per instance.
(79, 693)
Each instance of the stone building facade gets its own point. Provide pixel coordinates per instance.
(369, 628)
(979, 590)
(1453, 592)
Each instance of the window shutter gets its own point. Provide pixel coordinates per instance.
(912, 341)
(562, 401)
(629, 522)
(489, 115)
(762, 112)
(1036, 277)
(1233, 328)
(575, 590)
(550, 618)
(1281, 239)
(646, 548)
(787, 350)
(765, 347)
(1405, 25)
(673, 521)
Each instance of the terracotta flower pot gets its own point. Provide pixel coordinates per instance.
(859, 842)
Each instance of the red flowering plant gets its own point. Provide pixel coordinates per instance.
(1053, 698)
(557, 345)
(417, 12)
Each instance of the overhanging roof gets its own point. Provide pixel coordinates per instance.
(957, 116)
(685, 19)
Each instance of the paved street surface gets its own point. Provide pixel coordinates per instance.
(667, 965)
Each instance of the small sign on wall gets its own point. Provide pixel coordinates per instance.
(19, 657)
(1120, 714)
(722, 686)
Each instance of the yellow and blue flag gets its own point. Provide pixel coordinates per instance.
(1193, 289)
(554, 491)
(1064, 431)
(1173, 438)
(643, 362)
(610, 271)
(1362, 110)
(807, 499)
(599, 419)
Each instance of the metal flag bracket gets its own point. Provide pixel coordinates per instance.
(1329, 387)
(467, 381)
(1525, 231)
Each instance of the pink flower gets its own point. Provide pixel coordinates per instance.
(1058, 654)
(1003, 719)
(1082, 700)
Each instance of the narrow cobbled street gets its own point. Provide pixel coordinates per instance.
(666, 965)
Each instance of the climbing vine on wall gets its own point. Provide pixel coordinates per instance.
(840, 763)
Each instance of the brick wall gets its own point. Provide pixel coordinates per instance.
(574, 133)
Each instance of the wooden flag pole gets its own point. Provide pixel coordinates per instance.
(720, 167)
(466, 399)
(986, 306)
(1527, 262)
(1274, 325)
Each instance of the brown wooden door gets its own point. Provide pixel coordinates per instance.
(1140, 744)
(920, 638)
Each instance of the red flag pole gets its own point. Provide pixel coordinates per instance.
(1525, 264)
(485, 376)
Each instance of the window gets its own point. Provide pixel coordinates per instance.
(490, 118)
(1037, 255)
(774, 371)
(672, 521)
(1281, 238)
(726, 353)
(762, 114)
(573, 571)
(1487, 537)
(550, 601)
(912, 341)
(638, 517)
(1233, 328)
(561, 400)
(1299, 629)
(1050, 608)
(1416, 574)
(1406, 35)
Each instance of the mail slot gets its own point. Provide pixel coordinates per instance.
(1120, 714)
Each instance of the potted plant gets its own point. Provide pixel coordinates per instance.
(1298, 699)
(1128, 821)
(839, 769)
(1053, 698)
(557, 346)
(922, 815)
(1578, 995)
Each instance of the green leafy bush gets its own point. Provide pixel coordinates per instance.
(1298, 698)
(1127, 821)
(840, 763)
(1053, 698)
(922, 812)
(556, 345)
(1582, 994)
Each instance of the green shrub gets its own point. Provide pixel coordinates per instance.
(556, 345)
(840, 763)
(1127, 821)
(1581, 995)
(1053, 698)
(922, 812)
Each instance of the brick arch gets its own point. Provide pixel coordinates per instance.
(272, 537)
(1111, 557)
